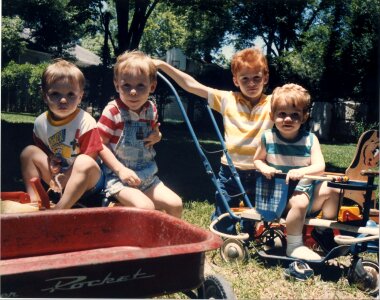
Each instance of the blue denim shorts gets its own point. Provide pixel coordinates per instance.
(114, 184)
(308, 189)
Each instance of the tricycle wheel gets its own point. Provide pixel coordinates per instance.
(365, 274)
(233, 250)
(216, 287)
(273, 239)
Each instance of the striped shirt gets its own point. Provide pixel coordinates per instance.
(111, 124)
(243, 124)
(284, 154)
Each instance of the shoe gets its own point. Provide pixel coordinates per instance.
(299, 271)
(325, 238)
(303, 252)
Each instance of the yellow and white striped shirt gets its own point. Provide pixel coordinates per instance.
(243, 124)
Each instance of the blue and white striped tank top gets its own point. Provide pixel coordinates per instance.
(284, 154)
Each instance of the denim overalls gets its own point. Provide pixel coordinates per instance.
(131, 151)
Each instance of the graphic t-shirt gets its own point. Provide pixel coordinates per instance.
(67, 138)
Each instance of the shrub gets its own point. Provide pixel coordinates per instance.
(20, 87)
(358, 127)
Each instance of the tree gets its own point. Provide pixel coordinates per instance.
(164, 30)
(206, 25)
(53, 25)
(12, 44)
(364, 53)
(129, 33)
(278, 23)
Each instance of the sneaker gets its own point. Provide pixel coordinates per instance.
(299, 271)
(303, 252)
(325, 238)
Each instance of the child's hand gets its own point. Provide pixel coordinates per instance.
(129, 177)
(154, 137)
(157, 62)
(294, 174)
(269, 172)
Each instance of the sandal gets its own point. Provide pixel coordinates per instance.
(299, 271)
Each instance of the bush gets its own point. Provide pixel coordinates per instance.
(358, 127)
(20, 87)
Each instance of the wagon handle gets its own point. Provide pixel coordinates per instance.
(44, 201)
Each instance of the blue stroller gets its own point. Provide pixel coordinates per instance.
(268, 238)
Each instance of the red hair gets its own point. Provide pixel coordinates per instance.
(250, 57)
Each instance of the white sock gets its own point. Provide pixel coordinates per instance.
(295, 248)
(293, 242)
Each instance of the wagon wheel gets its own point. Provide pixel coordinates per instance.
(233, 250)
(366, 278)
(272, 239)
(216, 287)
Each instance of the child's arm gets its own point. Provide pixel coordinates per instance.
(154, 137)
(260, 164)
(184, 80)
(317, 166)
(125, 174)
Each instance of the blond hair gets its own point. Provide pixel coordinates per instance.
(293, 94)
(61, 69)
(250, 57)
(135, 60)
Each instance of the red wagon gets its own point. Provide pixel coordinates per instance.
(104, 253)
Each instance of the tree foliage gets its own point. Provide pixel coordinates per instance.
(164, 30)
(20, 87)
(207, 23)
(330, 46)
(53, 26)
(11, 42)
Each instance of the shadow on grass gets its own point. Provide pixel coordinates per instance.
(14, 138)
(179, 163)
(180, 166)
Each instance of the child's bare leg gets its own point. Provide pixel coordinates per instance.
(133, 197)
(34, 163)
(327, 200)
(295, 219)
(164, 198)
(84, 175)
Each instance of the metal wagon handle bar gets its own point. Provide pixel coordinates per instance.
(204, 158)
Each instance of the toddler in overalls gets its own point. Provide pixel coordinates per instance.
(129, 128)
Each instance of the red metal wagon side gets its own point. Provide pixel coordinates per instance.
(101, 253)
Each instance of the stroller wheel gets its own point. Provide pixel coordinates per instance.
(365, 274)
(233, 250)
(273, 239)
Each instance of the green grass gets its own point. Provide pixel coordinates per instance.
(338, 157)
(182, 170)
(17, 117)
(254, 279)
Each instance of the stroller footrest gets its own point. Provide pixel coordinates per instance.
(251, 214)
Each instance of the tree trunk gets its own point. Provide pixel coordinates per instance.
(122, 11)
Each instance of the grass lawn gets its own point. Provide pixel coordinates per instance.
(182, 170)
(17, 118)
(252, 279)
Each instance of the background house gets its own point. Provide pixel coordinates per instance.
(81, 57)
